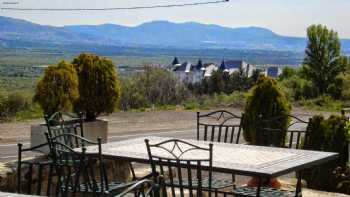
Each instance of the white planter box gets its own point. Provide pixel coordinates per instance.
(92, 130)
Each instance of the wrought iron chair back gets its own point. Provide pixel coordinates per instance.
(38, 175)
(220, 126)
(78, 171)
(183, 165)
(271, 129)
(60, 123)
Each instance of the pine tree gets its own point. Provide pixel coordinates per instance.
(58, 89)
(99, 87)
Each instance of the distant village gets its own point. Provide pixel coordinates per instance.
(186, 72)
(193, 73)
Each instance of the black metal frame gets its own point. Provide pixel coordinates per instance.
(266, 134)
(34, 181)
(144, 188)
(76, 168)
(222, 131)
(181, 167)
(57, 124)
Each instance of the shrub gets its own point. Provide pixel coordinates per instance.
(327, 135)
(287, 72)
(265, 100)
(323, 103)
(99, 88)
(131, 96)
(155, 86)
(297, 88)
(16, 102)
(3, 107)
(345, 92)
(58, 89)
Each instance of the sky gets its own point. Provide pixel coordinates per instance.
(285, 17)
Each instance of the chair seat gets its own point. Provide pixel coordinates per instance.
(264, 192)
(215, 184)
(111, 186)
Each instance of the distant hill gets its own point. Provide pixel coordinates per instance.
(193, 35)
(20, 32)
(158, 34)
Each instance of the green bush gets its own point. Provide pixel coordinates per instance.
(3, 103)
(16, 102)
(99, 88)
(345, 92)
(58, 89)
(222, 82)
(131, 96)
(266, 100)
(322, 103)
(297, 88)
(155, 86)
(287, 72)
(329, 135)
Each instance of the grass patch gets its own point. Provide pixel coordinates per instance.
(321, 103)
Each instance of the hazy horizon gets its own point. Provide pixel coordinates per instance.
(287, 17)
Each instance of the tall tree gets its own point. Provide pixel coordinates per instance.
(323, 59)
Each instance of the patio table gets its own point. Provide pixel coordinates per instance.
(5, 194)
(258, 161)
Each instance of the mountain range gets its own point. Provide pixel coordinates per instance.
(156, 34)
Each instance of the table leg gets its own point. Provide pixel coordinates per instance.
(298, 186)
(259, 187)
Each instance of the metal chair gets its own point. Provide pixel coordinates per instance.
(185, 167)
(61, 122)
(79, 171)
(37, 181)
(219, 126)
(271, 129)
(144, 188)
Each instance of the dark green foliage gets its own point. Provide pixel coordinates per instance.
(224, 82)
(298, 88)
(16, 102)
(287, 72)
(58, 89)
(217, 81)
(155, 86)
(265, 100)
(99, 88)
(323, 60)
(327, 135)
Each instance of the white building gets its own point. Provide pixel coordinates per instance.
(189, 73)
(273, 71)
(237, 65)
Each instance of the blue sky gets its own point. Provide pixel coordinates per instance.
(286, 17)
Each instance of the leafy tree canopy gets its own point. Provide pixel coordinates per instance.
(58, 89)
(323, 59)
(99, 87)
